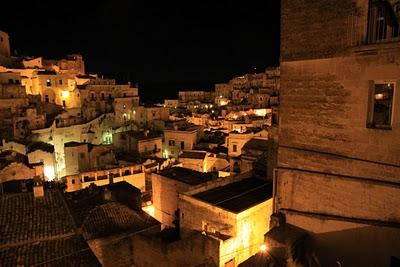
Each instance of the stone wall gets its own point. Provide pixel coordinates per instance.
(337, 177)
(316, 29)
(165, 197)
(144, 250)
(324, 105)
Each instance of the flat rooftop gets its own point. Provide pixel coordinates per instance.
(186, 176)
(238, 196)
(193, 154)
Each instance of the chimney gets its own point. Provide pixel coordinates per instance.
(38, 191)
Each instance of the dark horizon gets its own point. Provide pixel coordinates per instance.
(164, 47)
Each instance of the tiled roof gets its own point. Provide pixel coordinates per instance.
(40, 231)
(23, 217)
(68, 251)
(97, 217)
(44, 231)
(115, 218)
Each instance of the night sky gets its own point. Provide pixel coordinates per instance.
(164, 46)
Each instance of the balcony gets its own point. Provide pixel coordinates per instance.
(381, 26)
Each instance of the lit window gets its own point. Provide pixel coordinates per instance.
(48, 82)
(381, 105)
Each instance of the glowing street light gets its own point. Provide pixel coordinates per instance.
(65, 94)
(263, 248)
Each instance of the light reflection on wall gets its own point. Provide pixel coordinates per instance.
(49, 173)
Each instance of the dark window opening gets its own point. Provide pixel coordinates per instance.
(381, 105)
(46, 99)
(234, 148)
(182, 145)
(102, 96)
(382, 21)
(48, 82)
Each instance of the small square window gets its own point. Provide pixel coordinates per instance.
(234, 148)
(381, 105)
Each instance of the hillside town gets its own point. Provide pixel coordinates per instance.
(72, 136)
(294, 165)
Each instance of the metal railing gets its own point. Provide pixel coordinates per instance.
(380, 26)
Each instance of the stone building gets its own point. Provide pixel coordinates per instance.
(203, 161)
(95, 132)
(133, 175)
(13, 100)
(339, 151)
(147, 117)
(187, 96)
(39, 152)
(236, 140)
(4, 45)
(28, 120)
(254, 156)
(15, 166)
(145, 143)
(73, 64)
(56, 88)
(233, 211)
(81, 157)
(171, 103)
(167, 185)
(181, 138)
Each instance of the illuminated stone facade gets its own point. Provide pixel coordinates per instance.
(338, 159)
(133, 175)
